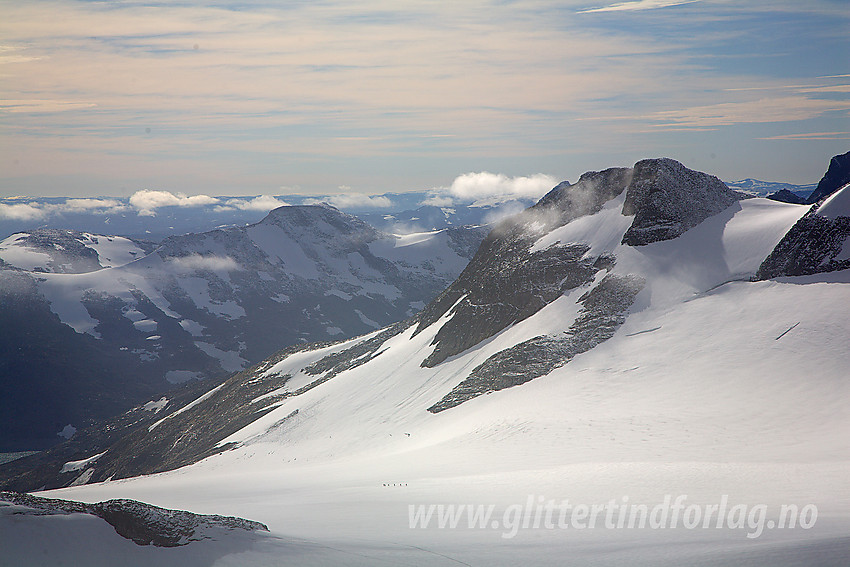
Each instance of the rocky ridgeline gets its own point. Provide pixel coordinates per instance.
(505, 282)
(815, 244)
(604, 309)
(836, 176)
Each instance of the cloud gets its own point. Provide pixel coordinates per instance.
(485, 184)
(438, 199)
(261, 203)
(638, 5)
(711, 116)
(39, 106)
(352, 200)
(20, 211)
(508, 210)
(92, 205)
(811, 136)
(764, 110)
(374, 84)
(147, 201)
(194, 262)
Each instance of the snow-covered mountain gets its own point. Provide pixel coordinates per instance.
(198, 306)
(156, 215)
(68, 251)
(617, 342)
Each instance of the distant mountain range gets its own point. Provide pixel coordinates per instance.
(414, 211)
(765, 188)
(164, 214)
(93, 324)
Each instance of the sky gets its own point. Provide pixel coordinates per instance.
(330, 96)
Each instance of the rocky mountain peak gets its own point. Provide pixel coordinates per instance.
(309, 223)
(786, 196)
(667, 199)
(837, 176)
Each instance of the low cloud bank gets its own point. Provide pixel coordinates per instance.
(490, 188)
(261, 203)
(195, 262)
(147, 201)
(352, 200)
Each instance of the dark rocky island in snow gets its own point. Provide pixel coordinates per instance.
(138, 522)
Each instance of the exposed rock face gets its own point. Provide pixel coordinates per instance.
(820, 241)
(786, 196)
(604, 309)
(354, 356)
(505, 282)
(141, 523)
(815, 244)
(835, 177)
(667, 199)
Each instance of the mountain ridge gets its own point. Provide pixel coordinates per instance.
(204, 305)
(570, 246)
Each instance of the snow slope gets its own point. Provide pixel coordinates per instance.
(713, 387)
(68, 251)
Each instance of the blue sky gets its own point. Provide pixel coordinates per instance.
(109, 98)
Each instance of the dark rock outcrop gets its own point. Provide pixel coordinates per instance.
(604, 309)
(786, 196)
(813, 245)
(141, 523)
(667, 199)
(836, 176)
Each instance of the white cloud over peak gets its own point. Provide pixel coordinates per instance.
(473, 186)
(94, 205)
(261, 203)
(438, 199)
(147, 201)
(352, 200)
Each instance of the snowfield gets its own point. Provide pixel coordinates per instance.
(715, 388)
